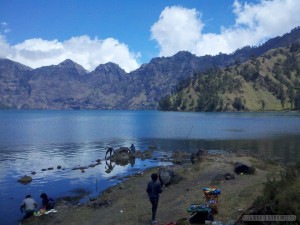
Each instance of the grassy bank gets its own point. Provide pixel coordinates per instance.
(280, 196)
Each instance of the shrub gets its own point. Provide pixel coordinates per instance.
(279, 197)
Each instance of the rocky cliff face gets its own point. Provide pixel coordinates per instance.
(14, 84)
(70, 86)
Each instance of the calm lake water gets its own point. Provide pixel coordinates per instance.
(34, 140)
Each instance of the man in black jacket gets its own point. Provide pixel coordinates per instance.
(153, 190)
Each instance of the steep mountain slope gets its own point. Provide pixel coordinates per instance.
(69, 86)
(57, 87)
(269, 82)
(14, 84)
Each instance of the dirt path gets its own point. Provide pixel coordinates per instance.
(130, 204)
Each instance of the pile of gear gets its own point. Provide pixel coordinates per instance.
(206, 211)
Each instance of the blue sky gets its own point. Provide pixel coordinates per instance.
(131, 32)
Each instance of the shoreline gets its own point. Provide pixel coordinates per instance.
(127, 202)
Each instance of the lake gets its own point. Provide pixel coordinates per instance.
(35, 140)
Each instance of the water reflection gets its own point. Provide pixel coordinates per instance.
(41, 139)
(285, 148)
(109, 165)
(30, 158)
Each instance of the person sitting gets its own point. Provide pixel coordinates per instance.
(47, 203)
(28, 206)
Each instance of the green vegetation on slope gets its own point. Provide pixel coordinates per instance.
(279, 197)
(269, 82)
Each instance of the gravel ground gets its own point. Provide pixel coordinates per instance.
(128, 204)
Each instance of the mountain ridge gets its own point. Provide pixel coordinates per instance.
(69, 86)
(269, 82)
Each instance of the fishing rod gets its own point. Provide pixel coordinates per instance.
(189, 133)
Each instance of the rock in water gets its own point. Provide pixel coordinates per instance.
(25, 180)
(121, 156)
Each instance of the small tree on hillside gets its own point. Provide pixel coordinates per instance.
(291, 94)
(263, 104)
(297, 100)
(238, 104)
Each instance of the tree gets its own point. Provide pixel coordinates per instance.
(297, 100)
(238, 104)
(263, 104)
(184, 105)
(165, 103)
(281, 96)
(291, 94)
(177, 101)
(295, 47)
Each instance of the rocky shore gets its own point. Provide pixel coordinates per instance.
(128, 204)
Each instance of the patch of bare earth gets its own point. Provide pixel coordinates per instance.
(130, 204)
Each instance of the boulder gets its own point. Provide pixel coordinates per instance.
(25, 180)
(122, 150)
(241, 168)
(167, 176)
(122, 156)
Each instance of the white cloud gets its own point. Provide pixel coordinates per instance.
(177, 28)
(6, 31)
(4, 47)
(180, 29)
(4, 28)
(85, 51)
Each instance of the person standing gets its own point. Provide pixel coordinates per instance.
(28, 206)
(109, 151)
(132, 148)
(153, 190)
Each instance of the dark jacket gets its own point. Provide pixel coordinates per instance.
(154, 189)
(48, 203)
